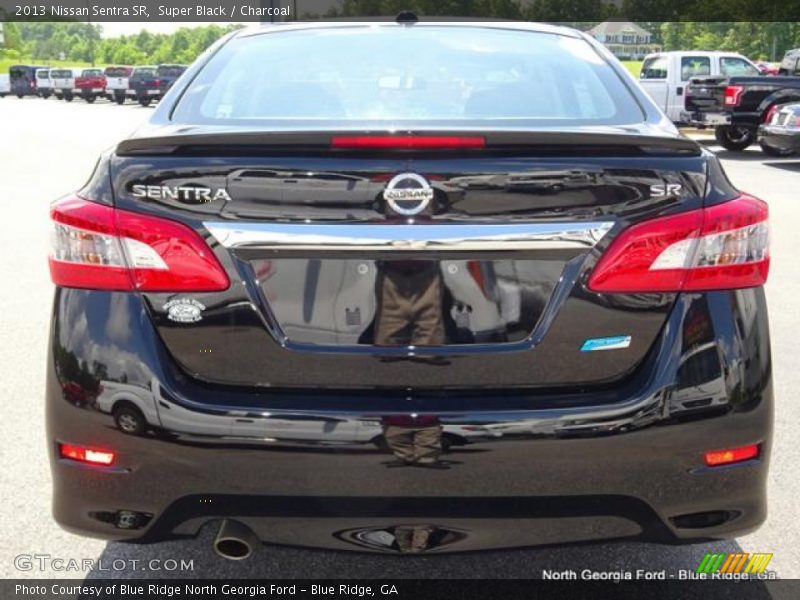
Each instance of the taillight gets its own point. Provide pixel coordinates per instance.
(407, 142)
(733, 93)
(771, 113)
(83, 454)
(725, 246)
(99, 247)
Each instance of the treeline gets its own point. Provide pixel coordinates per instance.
(576, 10)
(759, 41)
(83, 42)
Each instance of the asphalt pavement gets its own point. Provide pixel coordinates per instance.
(48, 148)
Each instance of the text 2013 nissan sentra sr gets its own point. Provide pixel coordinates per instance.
(409, 287)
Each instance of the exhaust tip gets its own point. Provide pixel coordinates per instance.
(235, 540)
(232, 549)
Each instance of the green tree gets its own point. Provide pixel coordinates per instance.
(12, 35)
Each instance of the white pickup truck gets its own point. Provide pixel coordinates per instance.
(44, 85)
(63, 82)
(665, 75)
(117, 79)
(5, 85)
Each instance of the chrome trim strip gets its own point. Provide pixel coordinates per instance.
(409, 238)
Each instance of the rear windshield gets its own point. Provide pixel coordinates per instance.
(170, 71)
(433, 75)
(18, 72)
(60, 73)
(43, 74)
(144, 73)
(92, 72)
(654, 67)
(117, 72)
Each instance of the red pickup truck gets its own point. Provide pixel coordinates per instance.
(90, 85)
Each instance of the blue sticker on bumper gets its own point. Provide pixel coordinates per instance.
(607, 343)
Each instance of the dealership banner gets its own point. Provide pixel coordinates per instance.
(608, 585)
(235, 11)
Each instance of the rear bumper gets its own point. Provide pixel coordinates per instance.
(145, 93)
(705, 119)
(89, 92)
(630, 468)
(23, 91)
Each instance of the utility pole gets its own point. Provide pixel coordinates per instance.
(91, 37)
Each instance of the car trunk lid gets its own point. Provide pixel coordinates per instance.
(333, 287)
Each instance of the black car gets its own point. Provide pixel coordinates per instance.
(780, 134)
(483, 296)
(790, 64)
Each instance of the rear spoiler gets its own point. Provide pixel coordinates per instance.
(573, 143)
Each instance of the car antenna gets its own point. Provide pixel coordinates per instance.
(406, 16)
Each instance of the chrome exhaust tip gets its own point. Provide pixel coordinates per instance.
(235, 540)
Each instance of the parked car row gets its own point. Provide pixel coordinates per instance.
(142, 84)
(731, 94)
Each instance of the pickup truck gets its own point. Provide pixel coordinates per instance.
(665, 75)
(62, 82)
(735, 106)
(90, 85)
(117, 80)
(23, 80)
(151, 83)
(44, 85)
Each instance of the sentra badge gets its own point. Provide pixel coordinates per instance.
(191, 194)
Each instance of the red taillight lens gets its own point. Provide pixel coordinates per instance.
(718, 458)
(90, 456)
(733, 93)
(407, 142)
(725, 246)
(770, 113)
(99, 247)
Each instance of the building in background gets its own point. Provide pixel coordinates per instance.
(624, 39)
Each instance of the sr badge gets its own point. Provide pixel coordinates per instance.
(408, 194)
(184, 310)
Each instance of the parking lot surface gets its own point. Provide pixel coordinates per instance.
(48, 148)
